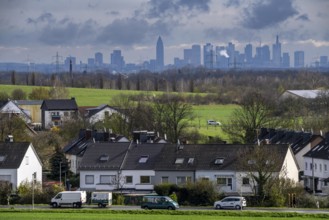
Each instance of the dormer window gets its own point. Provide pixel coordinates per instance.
(143, 159)
(179, 161)
(2, 158)
(219, 161)
(190, 160)
(104, 157)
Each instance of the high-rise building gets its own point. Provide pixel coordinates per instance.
(193, 56)
(323, 61)
(208, 56)
(276, 53)
(222, 57)
(159, 55)
(231, 53)
(299, 59)
(98, 59)
(285, 60)
(117, 60)
(70, 62)
(248, 54)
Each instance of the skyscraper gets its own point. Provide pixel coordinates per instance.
(208, 56)
(159, 55)
(276, 53)
(117, 60)
(193, 56)
(248, 54)
(299, 59)
(285, 60)
(98, 59)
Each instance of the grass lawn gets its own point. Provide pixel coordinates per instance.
(150, 215)
(95, 97)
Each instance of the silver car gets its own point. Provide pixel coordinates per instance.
(231, 202)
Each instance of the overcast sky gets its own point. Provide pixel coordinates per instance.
(34, 30)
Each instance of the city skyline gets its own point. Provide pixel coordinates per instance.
(40, 29)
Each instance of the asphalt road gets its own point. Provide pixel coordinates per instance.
(257, 209)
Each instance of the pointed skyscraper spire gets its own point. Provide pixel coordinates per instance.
(159, 55)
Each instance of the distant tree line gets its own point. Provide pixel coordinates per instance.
(225, 86)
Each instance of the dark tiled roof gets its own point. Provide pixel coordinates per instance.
(136, 151)
(206, 155)
(320, 151)
(59, 104)
(12, 154)
(28, 102)
(104, 156)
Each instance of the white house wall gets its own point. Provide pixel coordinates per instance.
(100, 116)
(212, 176)
(136, 174)
(28, 166)
(49, 123)
(290, 166)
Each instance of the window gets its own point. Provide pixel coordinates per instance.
(145, 179)
(66, 114)
(315, 166)
(104, 157)
(221, 181)
(311, 166)
(250, 162)
(325, 167)
(245, 181)
(305, 165)
(89, 179)
(107, 179)
(106, 113)
(205, 178)
(129, 179)
(190, 160)
(179, 160)
(26, 160)
(143, 159)
(164, 179)
(320, 167)
(183, 179)
(2, 158)
(219, 161)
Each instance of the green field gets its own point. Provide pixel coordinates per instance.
(150, 215)
(95, 97)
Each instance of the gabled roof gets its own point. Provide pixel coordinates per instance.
(59, 104)
(307, 94)
(321, 150)
(296, 139)
(28, 102)
(94, 110)
(12, 154)
(207, 156)
(104, 156)
(138, 153)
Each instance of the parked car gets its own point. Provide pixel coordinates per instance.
(69, 198)
(212, 122)
(231, 202)
(102, 199)
(159, 202)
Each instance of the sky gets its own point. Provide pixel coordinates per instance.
(35, 30)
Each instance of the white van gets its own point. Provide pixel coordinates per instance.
(69, 198)
(102, 199)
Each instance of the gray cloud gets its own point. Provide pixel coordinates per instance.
(229, 34)
(303, 17)
(66, 32)
(124, 32)
(232, 3)
(160, 8)
(263, 14)
(45, 17)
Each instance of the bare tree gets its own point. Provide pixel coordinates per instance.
(254, 113)
(171, 116)
(263, 164)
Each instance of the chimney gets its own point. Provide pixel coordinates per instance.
(9, 138)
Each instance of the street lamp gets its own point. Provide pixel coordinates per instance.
(60, 173)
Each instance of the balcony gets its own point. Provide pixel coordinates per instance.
(106, 187)
(144, 186)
